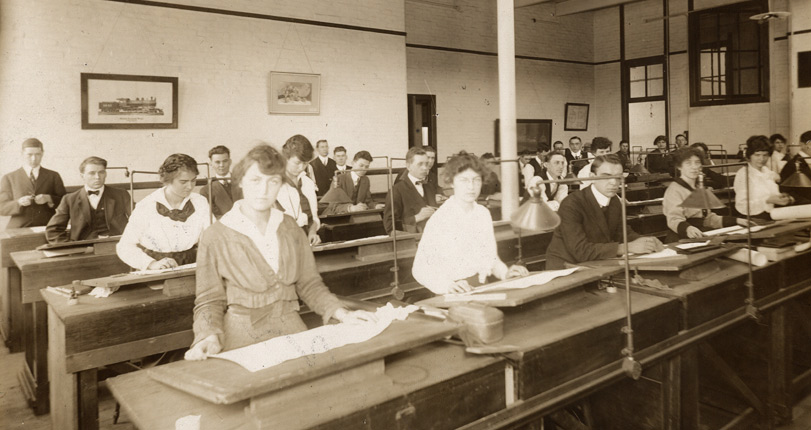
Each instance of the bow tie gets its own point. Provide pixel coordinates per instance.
(176, 214)
(419, 182)
(92, 192)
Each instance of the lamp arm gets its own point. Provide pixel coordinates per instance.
(395, 285)
(132, 185)
(208, 180)
(631, 367)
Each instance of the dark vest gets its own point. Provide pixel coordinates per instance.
(98, 221)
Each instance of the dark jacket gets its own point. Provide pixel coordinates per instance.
(584, 233)
(577, 163)
(364, 194)
(407, 203)
(75, 207)
(17, 184)
(223, 196)
(660, 162)
(323, 174)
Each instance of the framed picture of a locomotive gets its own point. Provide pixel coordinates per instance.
(294, 93)
(128, 101)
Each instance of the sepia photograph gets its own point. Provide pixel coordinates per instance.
(128, 101)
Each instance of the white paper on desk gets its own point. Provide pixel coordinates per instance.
(735, 229)
(39, 229)
(692, 245)
(157, 271)
(275, 351)
(539, 278)
(61, 252)
(101, 292)
(189, 422)
(665, 253)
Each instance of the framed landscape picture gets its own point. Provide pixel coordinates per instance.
(577, 117)
(128, 101)
(294, 93)
(530, 135)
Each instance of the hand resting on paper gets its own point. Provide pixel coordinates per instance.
(204, 348)
(163, 263)
(642, 245)
(693, 232)
(460, 286)
(516, 271)
(354, 317)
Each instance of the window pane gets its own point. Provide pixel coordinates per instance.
(749, 81)
(638, 89)
(637, 73)
(654, 71)
(655, 87)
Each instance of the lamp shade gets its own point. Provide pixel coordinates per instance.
(702, 198)
(798, 179)
(535, 216)
(336, 195)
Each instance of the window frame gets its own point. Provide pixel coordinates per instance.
(645, 62)
(694, 50)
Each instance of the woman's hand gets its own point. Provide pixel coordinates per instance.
(163, 263)
(460, 286)
(313, 237)
(353, 317)
(208, 346)
(693, 232)
(516, 271)
(779, 199)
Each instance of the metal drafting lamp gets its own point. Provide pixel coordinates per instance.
(396, 291)
(537, 215)
(798, 179)
(336, 195)
(700, 199)
(534, 216)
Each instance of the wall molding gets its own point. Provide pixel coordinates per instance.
(518, 57)
(266, 17)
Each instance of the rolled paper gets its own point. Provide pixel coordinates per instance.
(758, 259)
(791, 212)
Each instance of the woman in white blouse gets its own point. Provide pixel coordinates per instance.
(458, 246)
(165, 226)
(764, 193)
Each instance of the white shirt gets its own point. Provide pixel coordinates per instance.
(94, 199)
(776, 162)
(342, 168)
(324, 160)
(159, 233)
(28, 171)
(414, 181)
(290, 200)
(602, 200)
(457, 244)
(529, 171)
(762, 185)
(585, 173)
(560, 192)
(267, 242)
(355, 177)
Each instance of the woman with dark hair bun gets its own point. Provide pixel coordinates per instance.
(458, 246)
(764, 193)
(254, 265)
(165, 226)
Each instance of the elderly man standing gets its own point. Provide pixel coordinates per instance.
(31, 193)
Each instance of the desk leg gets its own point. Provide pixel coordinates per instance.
(88, 399)
(15, 303)
(65, 393)
(4, 323)
(690, 412)
(40, 368)
(780, 367)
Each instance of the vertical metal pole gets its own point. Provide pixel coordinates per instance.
(632, 368)
(506, 107)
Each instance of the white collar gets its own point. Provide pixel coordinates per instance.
(414, 179)
(161, 198)
(101, 190)
(236, 220)
(355, 176)
(324, 160)
(341, 168)
(228, 176)
(576, 153)
(602, 200)
(28, 170)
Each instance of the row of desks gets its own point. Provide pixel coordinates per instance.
(695, 341)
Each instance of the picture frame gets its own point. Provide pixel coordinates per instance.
(530, 135)
(294, 93)
(112, 101)
(577, 117)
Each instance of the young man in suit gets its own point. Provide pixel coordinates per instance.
(536, 164)
(340, 159)
(414, 198)
(31, 193)
(223, 195)
(356, 185)
(93, 210)
(591, 222)
(575, 155)
(599, 146)
(323, 168)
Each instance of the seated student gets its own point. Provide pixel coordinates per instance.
(659, 160)
(414, 198)
(356, 185)
(340, 158)
(458, 246)
(764, 192)
(30, 194)
(535, 165)
(298, 195)
(254, 265)
(591, 222)
(93, 210)
(780, 155)
(575, 155)
(165, 226)
(491, 184)
(599, 146)
(555, 168)
(222, 193)
(712, 178)
(802, 196)
(624, 155)
(683, 222)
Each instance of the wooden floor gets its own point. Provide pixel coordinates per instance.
(15, 414)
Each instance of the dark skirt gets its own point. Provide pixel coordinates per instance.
(181, 257)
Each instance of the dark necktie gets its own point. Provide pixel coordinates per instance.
(93, 193)
(418, 183)
(32, 178)
(176, 214)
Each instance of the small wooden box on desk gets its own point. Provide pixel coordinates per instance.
(13, 240)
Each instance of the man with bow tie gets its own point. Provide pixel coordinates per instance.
(93, 210)
(414, 197)
(31, 193)
(223, 195)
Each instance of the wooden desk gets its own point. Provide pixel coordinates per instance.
(37, 272)
(134, 322)
(12, 240)
(353, 217)
(435, 386)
